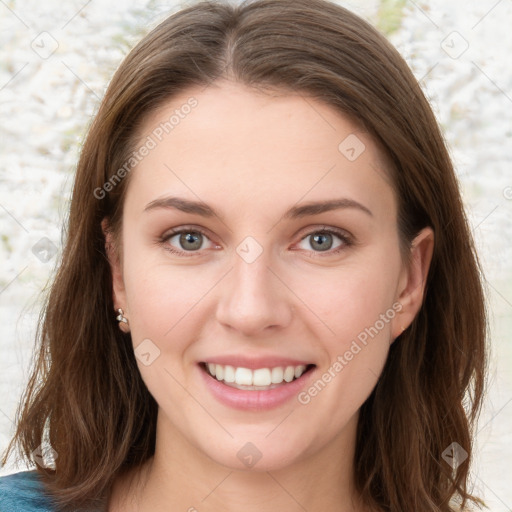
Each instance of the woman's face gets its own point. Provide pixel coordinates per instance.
(289, 257)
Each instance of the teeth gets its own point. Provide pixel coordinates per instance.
(261, 377)
(229, 374)
(277, 375)
(289, 373)
(243, 376)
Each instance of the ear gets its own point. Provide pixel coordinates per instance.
(413, 278)
(118, 290)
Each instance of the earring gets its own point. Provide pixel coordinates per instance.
(123, 321)
(120, 317)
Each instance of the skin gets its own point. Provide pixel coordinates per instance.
(252, 157)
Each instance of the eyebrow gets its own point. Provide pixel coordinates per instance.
(296, 212)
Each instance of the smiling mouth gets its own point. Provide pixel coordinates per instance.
(260, 379)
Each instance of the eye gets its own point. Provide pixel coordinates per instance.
(185, 240)
(323, 241)
(190, 241)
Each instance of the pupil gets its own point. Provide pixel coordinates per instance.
(190, 238)
(320, 239)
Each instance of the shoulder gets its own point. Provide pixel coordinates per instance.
(23, 492)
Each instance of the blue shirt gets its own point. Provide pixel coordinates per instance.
(23, 492)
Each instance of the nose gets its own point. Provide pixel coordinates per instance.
(253, 298)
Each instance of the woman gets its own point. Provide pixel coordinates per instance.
(269, 298)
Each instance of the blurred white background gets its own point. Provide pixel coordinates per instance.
(56, 59)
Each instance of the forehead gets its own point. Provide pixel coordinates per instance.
(238, 145)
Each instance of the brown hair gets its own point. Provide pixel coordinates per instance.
(86, 395)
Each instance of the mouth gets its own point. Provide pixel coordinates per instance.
(258, 379)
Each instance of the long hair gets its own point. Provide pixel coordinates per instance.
(85, 395)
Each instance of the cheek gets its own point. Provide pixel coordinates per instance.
(158, 293)
(348, 300)
(165, 308)
(355, 315)
(161, 298)
(353, 319)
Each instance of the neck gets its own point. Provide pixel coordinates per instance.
(181, 477)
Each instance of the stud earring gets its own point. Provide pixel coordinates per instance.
(123, 321)
(121, 318)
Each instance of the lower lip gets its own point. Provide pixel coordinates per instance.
(254, 400)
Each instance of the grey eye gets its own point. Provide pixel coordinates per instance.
(321, 241)
(189, 240)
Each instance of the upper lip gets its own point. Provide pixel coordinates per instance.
(253, 363)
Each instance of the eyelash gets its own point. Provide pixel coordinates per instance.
(342, 235)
